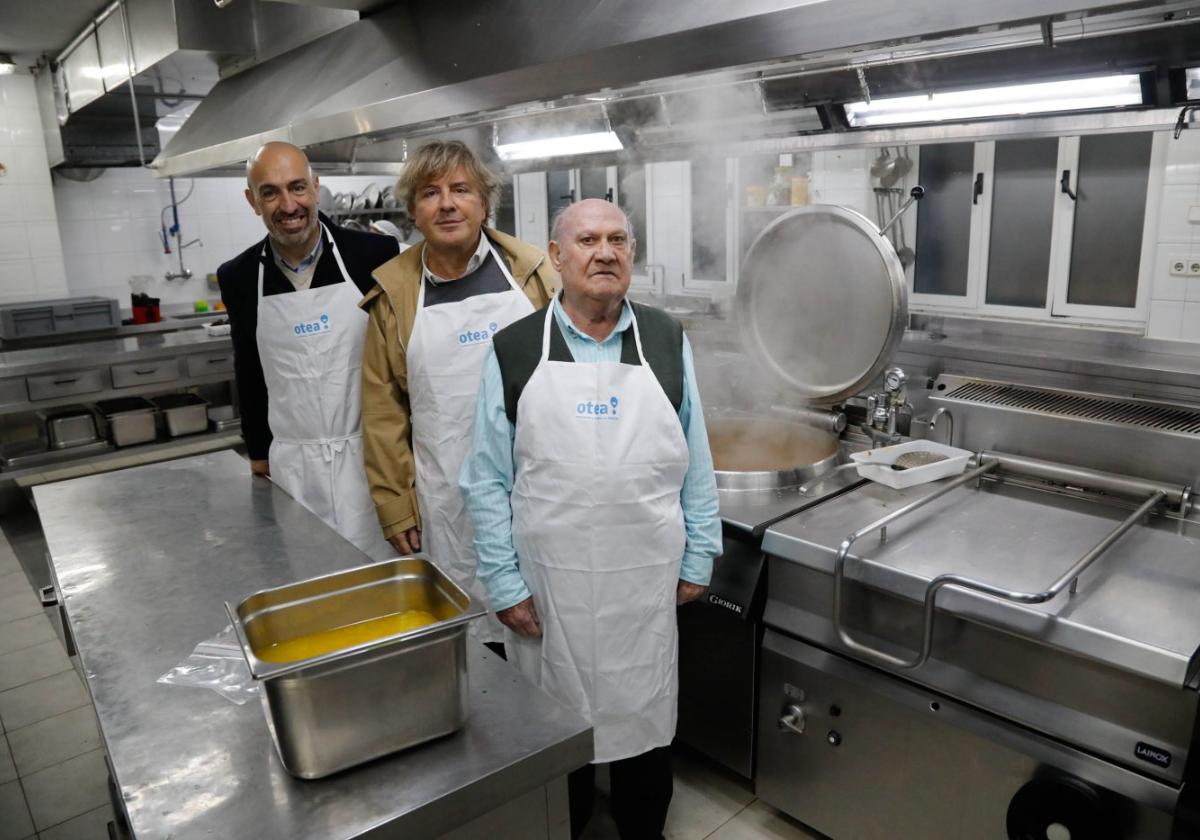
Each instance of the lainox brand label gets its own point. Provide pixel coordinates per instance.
(721, 602)
(1152, 754)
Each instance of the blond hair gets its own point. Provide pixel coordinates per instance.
(435, 159)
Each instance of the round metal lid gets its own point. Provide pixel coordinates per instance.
(822, 302)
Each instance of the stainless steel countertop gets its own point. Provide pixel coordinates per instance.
(108, 351)
(1136, 605)
(145, 558)
(753, 511)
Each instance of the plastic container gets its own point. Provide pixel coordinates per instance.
(799, 190)
(756, 195)
(779, 193)
(955, 463)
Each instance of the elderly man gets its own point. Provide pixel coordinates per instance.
(297, 337)
(432, 317)
(591, 488)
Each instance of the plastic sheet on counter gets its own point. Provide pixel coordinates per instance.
(218, 665)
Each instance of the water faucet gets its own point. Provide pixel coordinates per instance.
(183, 273)
(933, 419)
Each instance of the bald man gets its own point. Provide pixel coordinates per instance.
(298, 338)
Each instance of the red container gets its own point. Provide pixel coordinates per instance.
(147, 313)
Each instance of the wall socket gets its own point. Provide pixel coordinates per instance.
(1185, 265)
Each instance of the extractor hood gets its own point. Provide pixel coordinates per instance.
(175, 51)
(420, 68)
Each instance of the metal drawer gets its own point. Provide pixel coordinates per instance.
(210, 364)
(145, 373)
(66, 384)
(12, 391)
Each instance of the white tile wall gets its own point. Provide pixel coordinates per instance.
(31, 261)
(110, 230)
(1175, 300)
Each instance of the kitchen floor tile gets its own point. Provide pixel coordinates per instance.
(90, 826)
(54, 740)
(32, 663)
(8, 561)
(759, 821)
(25, 632)
(15, 822)
(42, 699)
(20, 605)
(13, 582)
(67, 790)
(706, 797)
(8, 770)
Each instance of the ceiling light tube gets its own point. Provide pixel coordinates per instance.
(571, 144)
(1009, 100)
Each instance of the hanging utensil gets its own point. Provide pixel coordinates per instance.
(890, 174)
(881, 163)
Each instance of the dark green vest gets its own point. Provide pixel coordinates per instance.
(519, 349)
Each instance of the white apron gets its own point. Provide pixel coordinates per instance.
(311, 346)
(446, 351)
(597, 524)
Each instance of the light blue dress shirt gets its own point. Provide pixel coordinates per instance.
(487, 475)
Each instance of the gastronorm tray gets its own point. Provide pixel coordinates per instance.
(338, 709)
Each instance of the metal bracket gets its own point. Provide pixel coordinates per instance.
(863, 89)
(1064, 184)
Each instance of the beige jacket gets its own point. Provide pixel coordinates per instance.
(392, 307)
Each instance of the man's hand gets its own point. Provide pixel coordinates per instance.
(688, 592)
(262, 467)
(522, 619)
(406, 542)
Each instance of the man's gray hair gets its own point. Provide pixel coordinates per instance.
(556, 222)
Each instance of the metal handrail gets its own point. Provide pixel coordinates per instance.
(1071, 576)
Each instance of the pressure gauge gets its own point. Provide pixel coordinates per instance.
(894, 379)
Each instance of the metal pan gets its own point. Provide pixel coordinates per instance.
(753, 453)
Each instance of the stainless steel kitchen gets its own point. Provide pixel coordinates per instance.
(914, 553)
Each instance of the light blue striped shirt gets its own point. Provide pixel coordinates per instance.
(487, 475)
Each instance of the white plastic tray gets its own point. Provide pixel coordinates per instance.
(955, 463)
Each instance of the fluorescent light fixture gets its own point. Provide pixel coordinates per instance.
(571, 144)
(7, 65)
(1010, 100)
(1193, 82)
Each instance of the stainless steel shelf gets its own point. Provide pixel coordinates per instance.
(130, 456)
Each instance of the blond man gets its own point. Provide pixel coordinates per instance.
(432, 315)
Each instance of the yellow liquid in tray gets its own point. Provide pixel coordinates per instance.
(340, 638)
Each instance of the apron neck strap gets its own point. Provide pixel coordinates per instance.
(550, 318)
(266, 255)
